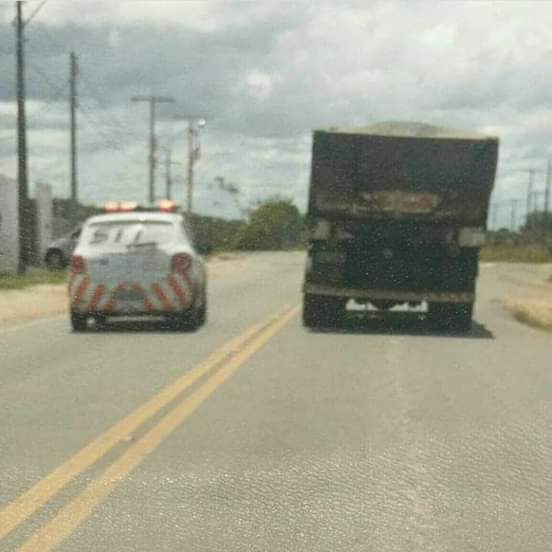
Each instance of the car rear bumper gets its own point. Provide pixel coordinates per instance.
(172, 294)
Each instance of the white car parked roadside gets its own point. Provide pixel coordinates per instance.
(135, 264)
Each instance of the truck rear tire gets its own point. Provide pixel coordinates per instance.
(455, 317)
(320, 311)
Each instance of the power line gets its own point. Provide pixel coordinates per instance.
(89, 118)
(35, 13)
(115, 120)
(53, 85)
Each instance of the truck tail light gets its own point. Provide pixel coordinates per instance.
(181, 263)
(78, 266)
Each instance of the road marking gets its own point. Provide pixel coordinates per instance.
(79, 508)
(488, 265)
(20, 509)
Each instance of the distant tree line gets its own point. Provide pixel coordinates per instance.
(271, 225)
(536, 230)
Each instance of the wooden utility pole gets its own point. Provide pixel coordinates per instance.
(168, 173)
(529, 198)
(73, 72)
(513, 215)
(153, 101)
(194, 125)
(22, 175)
(548, 186)
(494, 215)
(191, 161)
(168, 176)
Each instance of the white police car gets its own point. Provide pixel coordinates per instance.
(136, 263)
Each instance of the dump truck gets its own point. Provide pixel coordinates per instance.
(397, 215)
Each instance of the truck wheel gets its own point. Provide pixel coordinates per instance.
(451, 316)
(321, 311)
(79, 321)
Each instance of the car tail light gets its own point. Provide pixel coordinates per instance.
(181, 263)
(78, 265)
(167, 206)
(128, 206)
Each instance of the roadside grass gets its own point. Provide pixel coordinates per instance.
(516, 254)
(34, 277)
(533, 312)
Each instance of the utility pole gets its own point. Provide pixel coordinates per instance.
(168, 176)
(153, 101)
(168, 173)
(22, 175)
(513, 215)
(73, 72)
(530, 183)
(548, 186)
(194, 125)
(190, 180)
(494, 211)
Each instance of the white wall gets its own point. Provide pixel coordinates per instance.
(9, 227)
(44, 218)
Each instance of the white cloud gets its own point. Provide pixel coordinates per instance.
(265, 74)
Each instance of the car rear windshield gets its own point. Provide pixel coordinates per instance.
(129, 233)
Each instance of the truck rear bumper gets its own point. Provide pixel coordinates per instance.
(391, 294)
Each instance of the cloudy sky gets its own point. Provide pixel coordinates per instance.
(264, 74)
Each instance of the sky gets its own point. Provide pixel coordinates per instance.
(264, 75)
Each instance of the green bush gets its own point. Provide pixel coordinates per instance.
(273, 225)
(528, 253)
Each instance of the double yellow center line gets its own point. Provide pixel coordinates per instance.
(226, 360)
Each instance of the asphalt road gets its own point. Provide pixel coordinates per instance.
(255, 434)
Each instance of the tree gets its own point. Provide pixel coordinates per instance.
(273, 224)
(539, 224)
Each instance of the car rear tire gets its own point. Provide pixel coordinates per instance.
(198, 315)
(55, 260)
(191, 320)
(456, 317)
(321, 312)
(202, 311)
(79, 322)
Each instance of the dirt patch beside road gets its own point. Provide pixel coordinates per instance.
(534, 304)
(19, 307)
(533, 312)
